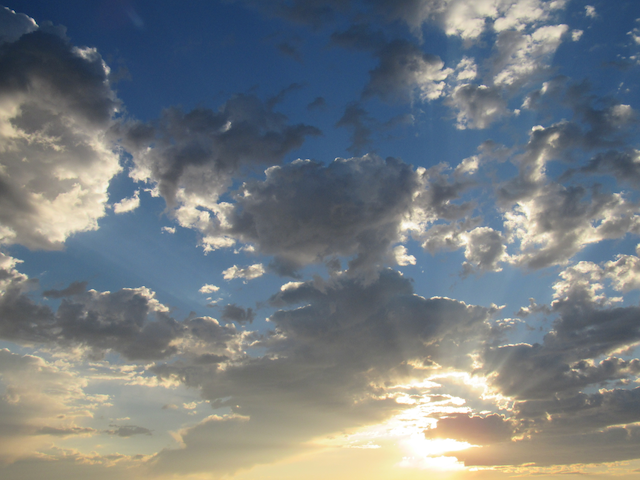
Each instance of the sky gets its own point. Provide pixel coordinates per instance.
(310, 239)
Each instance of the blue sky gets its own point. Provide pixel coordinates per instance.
(313, 238)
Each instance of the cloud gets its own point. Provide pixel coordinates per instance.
(249, 272)
(197, 153)
(318, 102)
(234, 313)
(325, 368)
(357, 119)
(478, 106)
(127, 430)
(588, 326)
(610, 445)
(519, 57)
(40, 400)
(403, 67)
(207, 288)
(56, 106)
(13, 25)
(127, 204)
(473, 429)
(130, 321)
(305, 212)
(75, 288)
(469, 20)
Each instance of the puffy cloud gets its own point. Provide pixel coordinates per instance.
(207, 288)
(56, 105)
(468, 20)
(551, 222)
(485, 250)
(127, 204)
(305, 212)
(478, 106)
(130, 321)
(325, 368)
(558, 222)
(13, 25)
(238, 314)
(249, 272)
(403, 69)
(193, 156)
(624, 166)
(402, 257)
(589, 326)
(520, 56)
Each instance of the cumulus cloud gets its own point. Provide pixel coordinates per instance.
(306, 212)
(207, 288)
(519, 56)
(404, 69)
(477, 106)
(127, 204)
(234, 313)
(193, 156)
(13, 25)
(324, 367)
(249, 272)
(57, 161)
(130, 321)
(469, 20)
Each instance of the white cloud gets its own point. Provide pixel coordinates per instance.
(520, 56)
(402, 257)
(206, 289)
(249, 272)
(127, 204)
(57, 160)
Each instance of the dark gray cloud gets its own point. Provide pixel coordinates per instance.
(305, 212)
(75, 288)
(403, 69)
(13, 25)
(324, 368)
(356, 119)
(586, 329)
(200, 151)
(623, 165)
(234, 313)
(130, 321)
